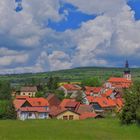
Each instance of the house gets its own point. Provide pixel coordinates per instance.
(28, 91)
(69, 89)
(93, 91)
(53, 100)
(112, 93)
(118, 83)
(121, 82)
(64, 114)
(69, 104)
(101, 104)
(31, 108)
(83, 108)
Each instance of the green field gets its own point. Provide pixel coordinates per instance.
(104, 129)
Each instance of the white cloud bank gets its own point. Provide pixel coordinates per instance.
(114, 34)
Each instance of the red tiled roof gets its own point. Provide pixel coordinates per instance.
(21, 97)
(119, 102)
(18, 103)
(53, 100)
(64, 102)
(88, 115)
(33, 109)
(102, 101)
(38, 102)
(71, 87)
(84, 108)
(118, 82)
(119, 79)
(93, 89)
(54, 111)
(107, 93)
(90, 90)
(72, 104)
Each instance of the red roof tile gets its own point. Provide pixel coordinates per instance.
(93, 89)
(89, 90)
(53, 100)
(84, 108)
(64, 102)
(71, 87)
(102, 101)
(119, 79)
(21, 97)
(107, 93)
(54, 111)
(72, 104)
(88, 115)
(38, 102)
(18, 103)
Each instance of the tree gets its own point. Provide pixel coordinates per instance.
(131, 109)
(60, 94)
(94, 82)
(7, 110)
(52, 83)
(5, 90)
(138, 114)
(39, 94)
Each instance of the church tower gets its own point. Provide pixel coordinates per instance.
(127, 72)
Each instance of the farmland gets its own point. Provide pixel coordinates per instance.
(104, 129)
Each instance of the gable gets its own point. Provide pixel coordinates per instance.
(26, 104)
(67, 113)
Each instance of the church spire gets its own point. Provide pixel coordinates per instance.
(127, 72)
(126, 64)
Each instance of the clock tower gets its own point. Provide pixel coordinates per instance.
(127, 72)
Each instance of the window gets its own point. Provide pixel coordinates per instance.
(30, 114)
(71, 117)
(41, 115)
(65, 117)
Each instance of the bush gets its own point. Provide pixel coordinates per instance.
(94, 82)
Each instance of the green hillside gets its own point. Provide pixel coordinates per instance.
(76, 74)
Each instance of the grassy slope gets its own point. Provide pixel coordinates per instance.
(106, 129)
(76, 74)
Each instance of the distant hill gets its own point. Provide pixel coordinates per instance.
(75, 74)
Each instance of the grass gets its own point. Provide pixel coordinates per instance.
(104, 129)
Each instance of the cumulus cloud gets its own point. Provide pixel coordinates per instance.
(30, 46)
(8, 57)
(59, 60)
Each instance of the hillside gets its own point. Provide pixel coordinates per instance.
(76, 74)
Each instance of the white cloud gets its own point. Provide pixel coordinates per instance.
(113, 34)
(59, 60)
(98, 7)
(8, 57)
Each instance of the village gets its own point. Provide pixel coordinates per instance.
(79, 103)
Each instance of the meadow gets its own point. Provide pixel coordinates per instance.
(104, 129)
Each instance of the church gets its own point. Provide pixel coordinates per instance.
(121, 82)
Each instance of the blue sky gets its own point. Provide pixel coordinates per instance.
(73, 19)
(135, 5)
(61, 34)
